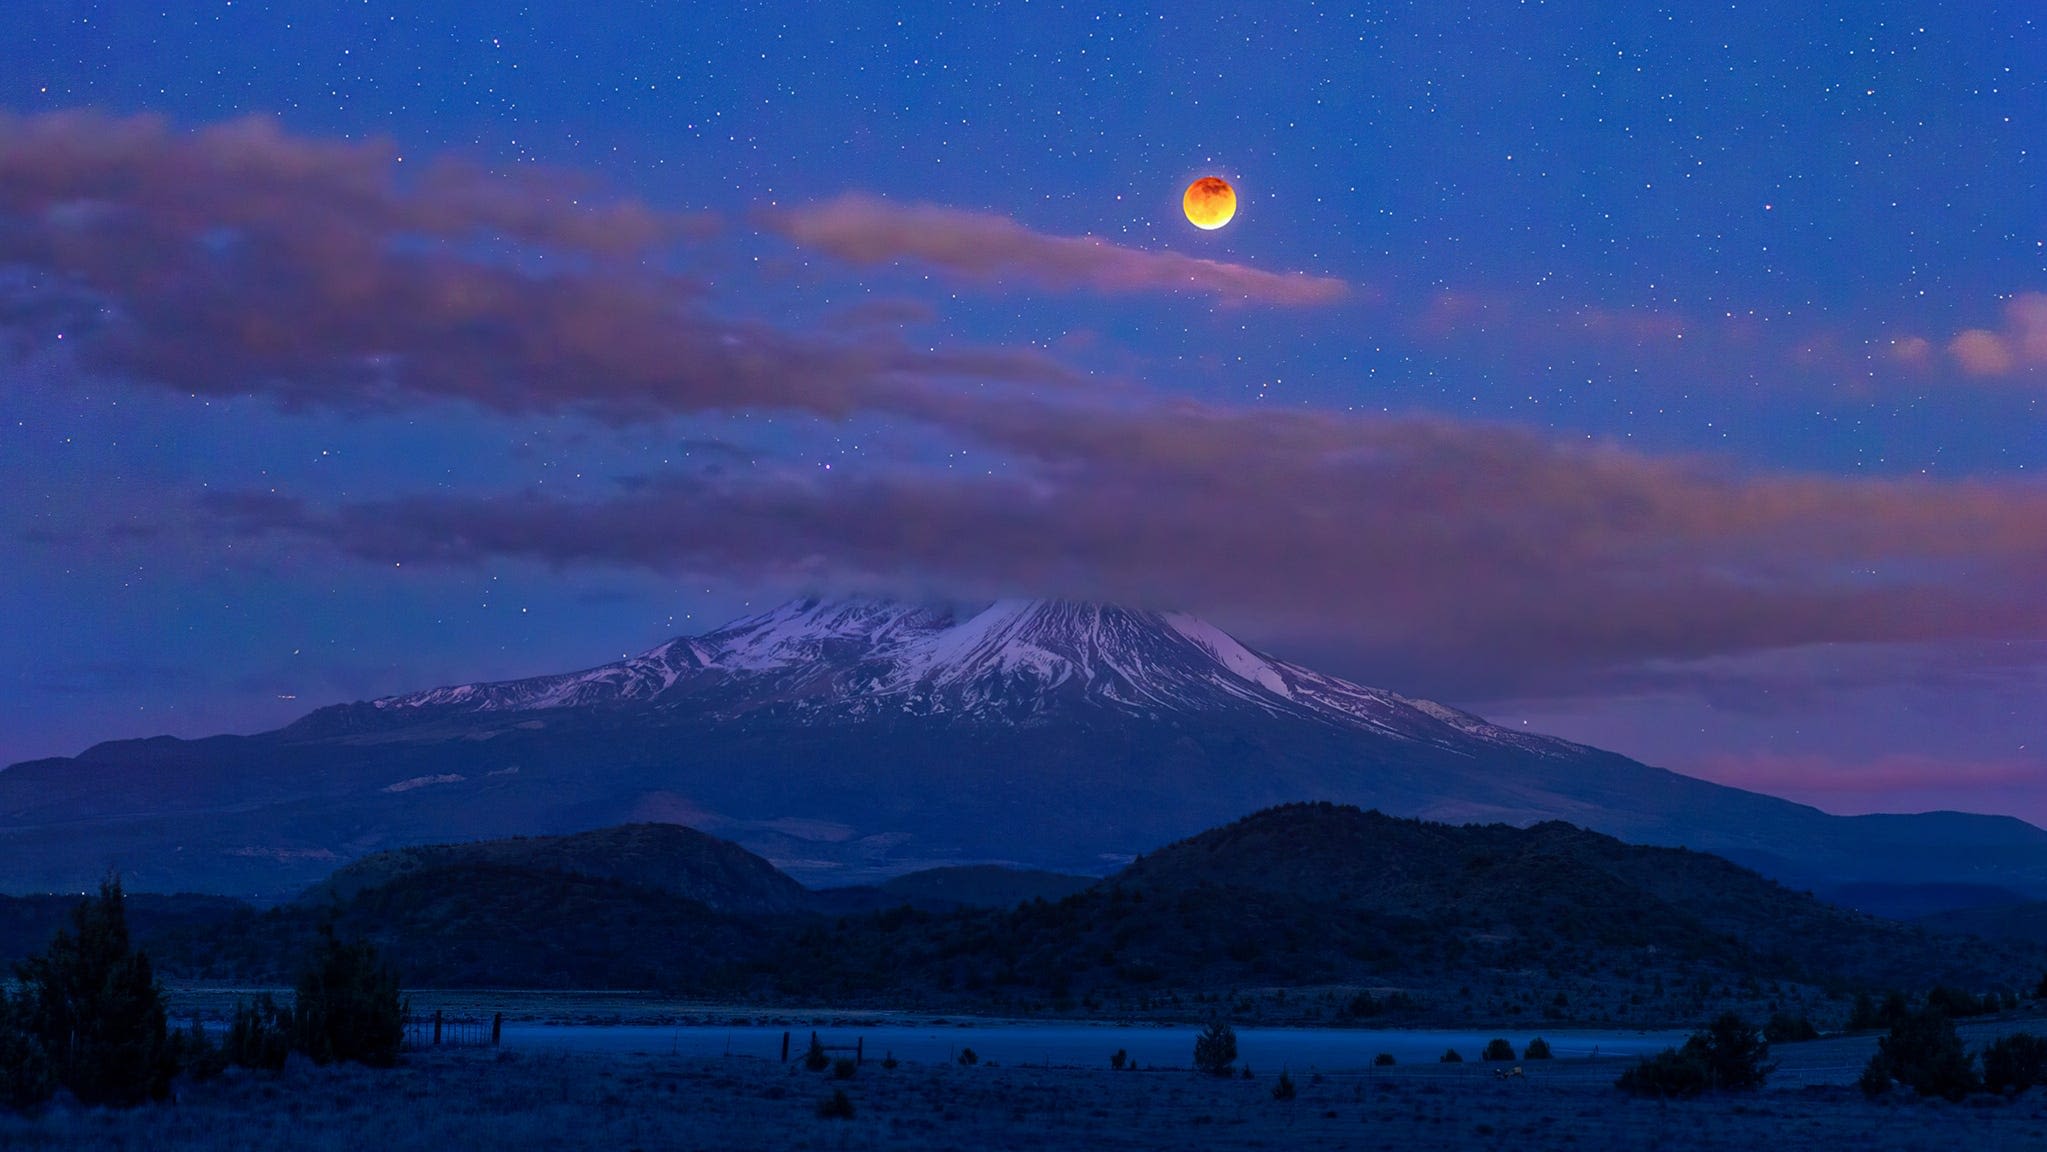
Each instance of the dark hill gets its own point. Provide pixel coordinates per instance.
(483, 925)
(28, 922)
(667, 857)
(2020, 922)
(1912, 901)
(1321, 895)
(985, 885)
(1443, 924)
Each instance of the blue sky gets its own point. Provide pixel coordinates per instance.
(1797, 250)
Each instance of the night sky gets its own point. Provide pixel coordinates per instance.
(1665, 377)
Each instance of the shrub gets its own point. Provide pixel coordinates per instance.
(1671, 1072)
(1216, 1048)
(1868, 1016)
(1736, 1055)
(1538, 1049)
(2014, 1063)
(1923, 1053)
(969, 1057)
(1784, 1028)
(838, 1107)
(1497, 1049)
(843, 1068)
(1383, 1060)
(1118, 1060)
(1729, 1056)
(1449, 1056)
(196, 1053)
(260, 1035)
(1957, 1004)
(347, 1005)
(1283, 1088)
(25, 1077)
(814, 1058)
(93, 1006)
(889, 1061)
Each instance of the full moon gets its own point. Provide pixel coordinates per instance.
(1210, 202)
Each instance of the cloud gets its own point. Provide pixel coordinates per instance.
(240, 259)
(1982, 353)
(1914, 350)
(868, 230)
(1487, 559)
(2019, 345)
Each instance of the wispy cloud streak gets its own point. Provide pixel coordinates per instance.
(868, 230)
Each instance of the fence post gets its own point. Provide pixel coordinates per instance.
(860, 1050)
(497, 1028)
(437, 1026)
(785, 1046)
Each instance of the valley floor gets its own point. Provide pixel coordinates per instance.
(502, 1099)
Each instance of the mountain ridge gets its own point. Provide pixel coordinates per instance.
(850, 741)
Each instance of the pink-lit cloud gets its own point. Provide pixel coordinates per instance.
(1914, 350)
(980, 246)
(1982, 353)
(2019, 345)
(240, 259)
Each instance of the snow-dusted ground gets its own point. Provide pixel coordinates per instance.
(511, 1099)
(1077, 1045)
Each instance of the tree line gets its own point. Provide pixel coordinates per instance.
(88, 1017)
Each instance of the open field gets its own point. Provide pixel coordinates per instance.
(617, 1101)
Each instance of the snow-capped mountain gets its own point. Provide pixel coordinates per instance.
(850, 740)
(1014, 661)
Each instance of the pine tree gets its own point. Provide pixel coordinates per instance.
(1216, 1048)
(92, 1003)
(347, 1005)
(260, 1036)
(25, 1079)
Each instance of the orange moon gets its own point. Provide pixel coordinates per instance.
(1210, 203)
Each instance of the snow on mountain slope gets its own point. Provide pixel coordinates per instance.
(642, 677)
(1014, 661)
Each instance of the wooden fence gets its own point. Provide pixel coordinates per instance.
(858, 1048)
(439, 1030)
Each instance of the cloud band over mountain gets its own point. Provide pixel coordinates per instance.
(1489, 556)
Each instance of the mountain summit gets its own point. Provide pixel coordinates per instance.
(1014, 662)
(851, 740)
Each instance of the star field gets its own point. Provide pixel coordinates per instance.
(1780, 240)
